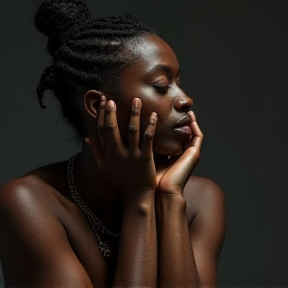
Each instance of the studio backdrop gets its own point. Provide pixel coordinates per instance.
(233, 58)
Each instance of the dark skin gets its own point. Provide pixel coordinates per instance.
(172, 224)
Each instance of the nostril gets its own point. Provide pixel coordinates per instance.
(186, 108)
(183, 104)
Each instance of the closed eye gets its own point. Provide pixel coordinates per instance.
(162, 89)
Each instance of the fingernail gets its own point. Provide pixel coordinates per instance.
(153, 115)
(135, 102)
(102, 98)
(111, 104)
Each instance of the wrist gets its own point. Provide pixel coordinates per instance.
(170, 191)
(171, 201)
(139, 205)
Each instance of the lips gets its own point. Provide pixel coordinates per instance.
(184, 121)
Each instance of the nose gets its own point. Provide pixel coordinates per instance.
(183, 103)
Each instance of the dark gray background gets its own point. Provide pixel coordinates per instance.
(233, 57)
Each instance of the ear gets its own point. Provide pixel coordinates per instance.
(92, 100)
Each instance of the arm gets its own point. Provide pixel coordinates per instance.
(177, 267)
(189, 255)
(137, 259)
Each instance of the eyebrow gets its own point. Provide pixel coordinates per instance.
(165, 68)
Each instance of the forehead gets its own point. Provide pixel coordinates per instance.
(151, 51)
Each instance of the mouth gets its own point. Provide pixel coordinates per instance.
(184, 121)
(183, 125)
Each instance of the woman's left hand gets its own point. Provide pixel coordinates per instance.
(172, 179)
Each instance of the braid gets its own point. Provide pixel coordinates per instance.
(46, 83)
(83, 50)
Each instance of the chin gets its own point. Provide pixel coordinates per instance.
(168, 150)
(170, 147)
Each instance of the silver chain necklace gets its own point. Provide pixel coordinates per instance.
(97, 225)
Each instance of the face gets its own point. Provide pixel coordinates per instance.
(153, 76)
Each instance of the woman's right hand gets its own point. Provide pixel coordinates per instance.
(131, 169)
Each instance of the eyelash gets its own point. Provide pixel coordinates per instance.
(163, 89)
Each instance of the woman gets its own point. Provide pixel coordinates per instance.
(124, 212)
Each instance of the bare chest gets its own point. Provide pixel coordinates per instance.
(85, 246)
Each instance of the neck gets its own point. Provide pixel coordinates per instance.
(96, 190)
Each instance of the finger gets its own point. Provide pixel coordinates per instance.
(197, 135)
(101, 124)
(194, 126)
(114, 144)
(191, 156)
(134, 126)
(96, 147)
(196, 140)
(147, 146)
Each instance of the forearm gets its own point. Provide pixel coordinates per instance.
(177, 267)
(137, 258)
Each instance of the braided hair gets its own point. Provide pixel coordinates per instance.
(84, 51)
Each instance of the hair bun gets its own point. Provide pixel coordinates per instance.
(55, 18)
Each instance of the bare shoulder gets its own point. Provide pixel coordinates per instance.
(206, 218)
(202, 194)
(23, 193)
(29, 204)
(31, 209)
(35, 187)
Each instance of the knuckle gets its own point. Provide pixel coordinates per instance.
(110, 111)
(152, 122)
(133, 129)
(135, 111)
(111, 126)
(148, 158)
(148, 135)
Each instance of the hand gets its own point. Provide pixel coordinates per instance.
(173, 175)
(131, 170)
